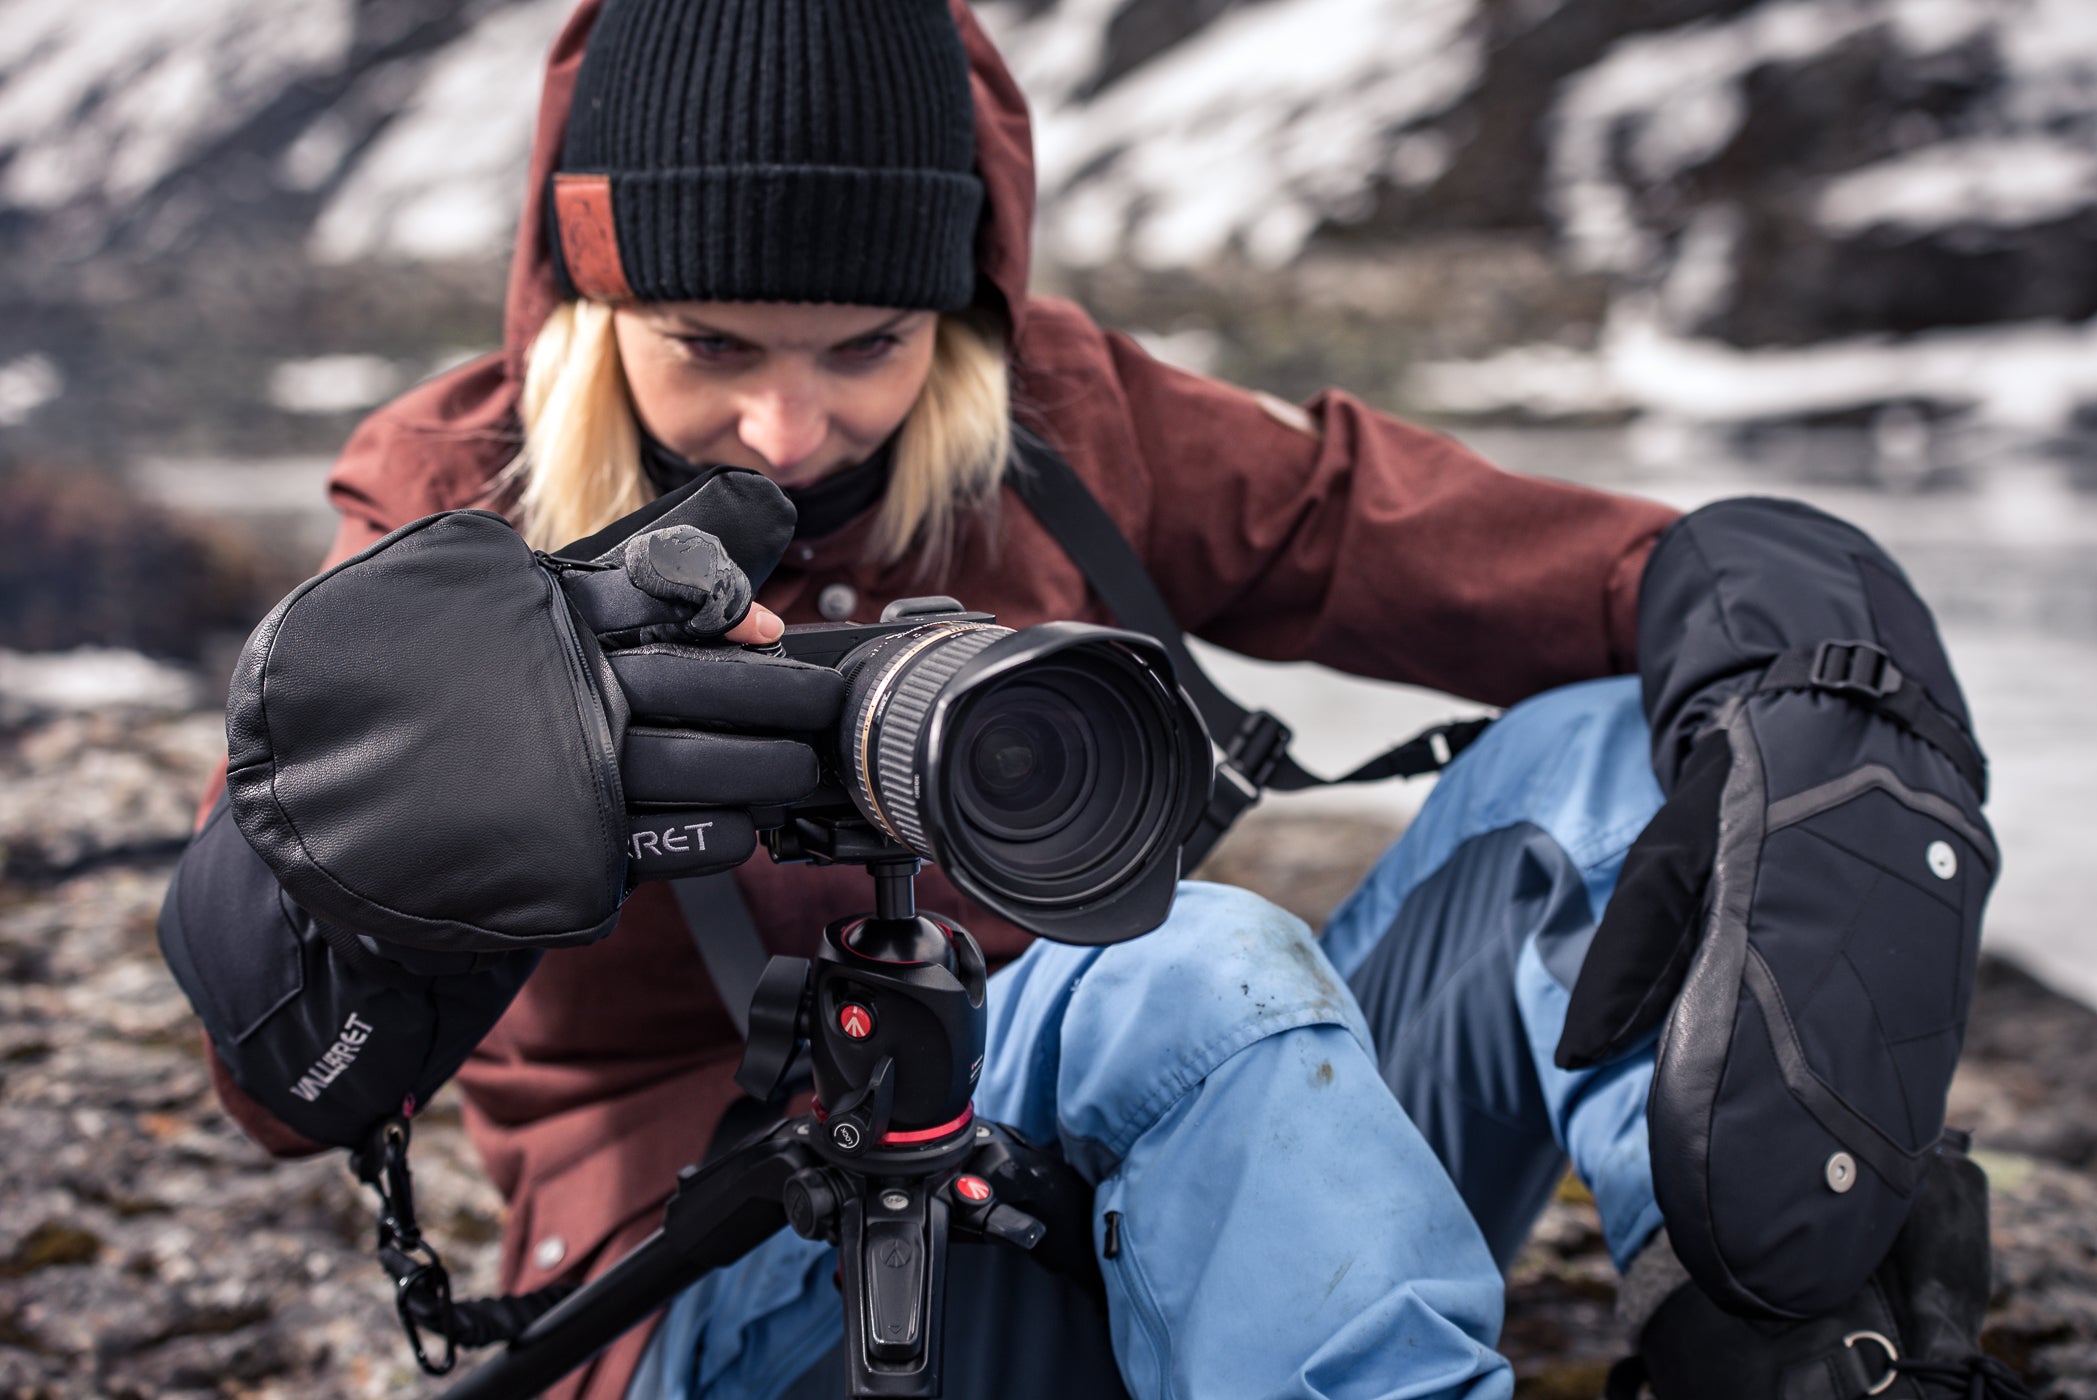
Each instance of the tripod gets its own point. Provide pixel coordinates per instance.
(890, 1165)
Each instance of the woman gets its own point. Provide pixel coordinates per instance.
(792, 237)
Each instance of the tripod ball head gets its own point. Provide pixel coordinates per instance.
(897, 1011)
(892, 1010)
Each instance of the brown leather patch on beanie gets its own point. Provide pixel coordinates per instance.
(582, 208)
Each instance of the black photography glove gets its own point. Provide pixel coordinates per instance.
(710, 719)
(430, 743)
(1800, 922)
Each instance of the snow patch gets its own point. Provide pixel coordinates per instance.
(107, 99)
(1248, 134)
(94, 678)
(445, 179)
(2027, 378)
(1678, 97)
(26, 385)
(2003, 182)
(1658, 105)
(333, 383)
(1699, 283)
(1542, 381)
(311, 160)
(1196, 349)
(2049, 51)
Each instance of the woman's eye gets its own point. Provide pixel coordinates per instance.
(713, 347)
(867, 348)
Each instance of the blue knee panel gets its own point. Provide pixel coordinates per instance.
(1462, 945)
(1574, 762)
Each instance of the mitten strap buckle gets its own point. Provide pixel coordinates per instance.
(1855, 666)
(1866, 675)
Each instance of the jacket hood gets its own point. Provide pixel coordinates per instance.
(1004, 161)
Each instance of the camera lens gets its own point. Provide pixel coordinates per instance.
(1089, 804)
(1053, 772)
(1028, 765)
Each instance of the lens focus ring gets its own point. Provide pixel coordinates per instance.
(895, 705)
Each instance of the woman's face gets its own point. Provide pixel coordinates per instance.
(795, 391)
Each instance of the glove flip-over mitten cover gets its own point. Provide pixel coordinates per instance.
(1801, 921)
(432, 743)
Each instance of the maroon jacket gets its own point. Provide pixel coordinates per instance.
(1333, 534)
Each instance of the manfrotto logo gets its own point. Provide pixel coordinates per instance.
(338, 1057)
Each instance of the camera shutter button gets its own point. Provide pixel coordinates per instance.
(837, 600)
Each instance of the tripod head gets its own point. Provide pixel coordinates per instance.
(891, 1008)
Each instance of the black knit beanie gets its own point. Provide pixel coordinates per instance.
(771, 150)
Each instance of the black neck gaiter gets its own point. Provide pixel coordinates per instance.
(823, 508)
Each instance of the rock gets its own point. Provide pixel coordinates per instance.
(2026, 1084)
(1305, 866)
(91, 564)
(149, 1251)
(82, 788)
(49, 1244)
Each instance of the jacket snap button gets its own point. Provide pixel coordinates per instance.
(1842, 1172)
(837, 600)
(548, 1253)
(1944, 861)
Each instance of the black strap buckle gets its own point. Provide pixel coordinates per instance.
(422, 1287)
(422, 1297)
(1258, 747)
(1255, 751)
(1855, 666)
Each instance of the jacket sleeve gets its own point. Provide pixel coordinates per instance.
(1341, 535)
(325, 1031)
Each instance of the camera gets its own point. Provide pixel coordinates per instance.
(1054, 772)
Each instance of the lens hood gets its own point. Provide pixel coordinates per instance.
(1053, 772)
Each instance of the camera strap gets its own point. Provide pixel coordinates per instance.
(727, 939)
(1255, 743)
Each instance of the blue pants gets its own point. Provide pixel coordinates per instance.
(1318, 1150)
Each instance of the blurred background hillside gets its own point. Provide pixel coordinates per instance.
(1842, 249)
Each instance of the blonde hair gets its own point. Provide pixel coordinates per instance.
(581, 464)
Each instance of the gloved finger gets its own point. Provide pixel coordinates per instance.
(743, 509)
(727, 685)
(670, 585)
(688, 767)
(686, 566)
(696, 841)
(1654, 920)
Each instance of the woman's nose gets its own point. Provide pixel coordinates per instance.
(783, 429)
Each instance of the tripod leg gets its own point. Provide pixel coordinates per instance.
(718, 1214)
(892, 1247)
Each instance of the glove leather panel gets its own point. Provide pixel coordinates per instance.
(420, 749)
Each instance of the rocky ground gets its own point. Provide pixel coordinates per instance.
(148, 1250)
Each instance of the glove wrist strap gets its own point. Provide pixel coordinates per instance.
(1864, 674)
